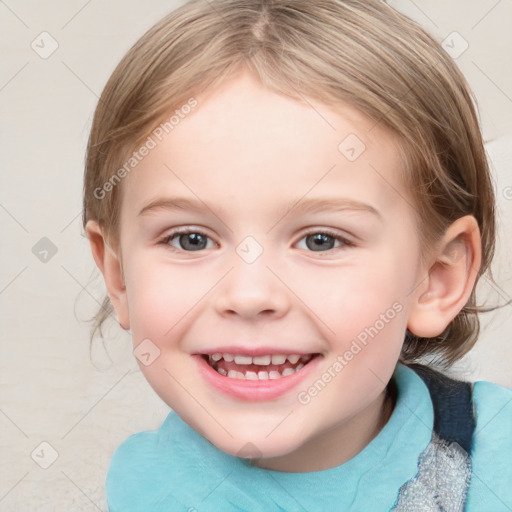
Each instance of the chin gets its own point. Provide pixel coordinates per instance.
(257, 446)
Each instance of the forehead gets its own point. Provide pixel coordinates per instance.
(245, 146)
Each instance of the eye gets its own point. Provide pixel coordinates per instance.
(188, 240)
(323, 241)
(191, 241)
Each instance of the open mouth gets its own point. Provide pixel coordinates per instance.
(264, 367)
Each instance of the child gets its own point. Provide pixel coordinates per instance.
(291, 206)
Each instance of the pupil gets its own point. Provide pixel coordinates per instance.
(193, 241)
(323, 241)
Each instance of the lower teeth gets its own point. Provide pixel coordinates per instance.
(261, 375)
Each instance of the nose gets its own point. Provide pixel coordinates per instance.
(252, 291)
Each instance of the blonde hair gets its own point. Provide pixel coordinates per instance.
(361, 52)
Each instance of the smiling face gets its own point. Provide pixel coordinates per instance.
(296, 245)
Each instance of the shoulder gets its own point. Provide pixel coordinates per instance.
(133, 453)
(493, 404)
(479, 418)
(138, 470)
(129, 470)
(493, 411)
(491, 484)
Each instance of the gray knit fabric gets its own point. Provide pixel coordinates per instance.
(442, 481)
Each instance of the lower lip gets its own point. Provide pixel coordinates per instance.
(255, 390)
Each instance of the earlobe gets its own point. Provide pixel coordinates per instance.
(450, 279)
(110, 266)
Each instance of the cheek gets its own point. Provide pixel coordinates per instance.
(350, 298)
(164, 300)
(158, 297)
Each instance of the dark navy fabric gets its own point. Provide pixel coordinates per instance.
(454, 416)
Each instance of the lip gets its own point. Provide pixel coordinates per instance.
(254, 352)
(254, 390)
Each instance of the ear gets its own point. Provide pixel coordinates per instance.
(110, 266)
(450, 279)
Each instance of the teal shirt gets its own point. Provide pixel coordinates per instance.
(176, 469)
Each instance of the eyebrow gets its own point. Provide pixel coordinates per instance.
(299, 206)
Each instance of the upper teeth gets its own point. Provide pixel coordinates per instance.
(259, 360)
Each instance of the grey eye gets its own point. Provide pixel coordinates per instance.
(191, 241)
(320, 242)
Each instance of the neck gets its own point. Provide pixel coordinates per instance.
(348, 439)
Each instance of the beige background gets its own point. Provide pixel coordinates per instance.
(52, 390)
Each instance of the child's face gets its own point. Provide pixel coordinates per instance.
(248, 160)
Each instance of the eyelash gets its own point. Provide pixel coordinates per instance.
(186, 231)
